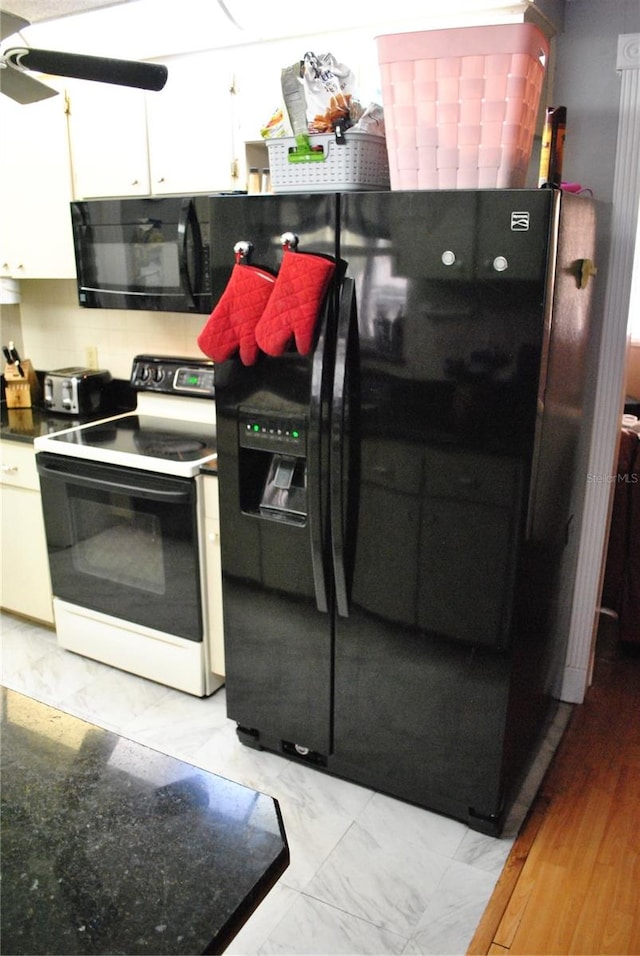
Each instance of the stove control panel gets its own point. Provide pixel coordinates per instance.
(173, 376)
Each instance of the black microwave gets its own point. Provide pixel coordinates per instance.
(150, 253)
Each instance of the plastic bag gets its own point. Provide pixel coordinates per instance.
(371, 120)
(319, 97)
(276, 126)
(329, 89)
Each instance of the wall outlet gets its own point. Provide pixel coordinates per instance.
(91, 356)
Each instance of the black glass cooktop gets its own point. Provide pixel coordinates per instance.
(146, 435)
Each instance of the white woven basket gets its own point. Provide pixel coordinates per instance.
(359, 163)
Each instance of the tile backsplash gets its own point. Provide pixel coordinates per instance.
(56, 332)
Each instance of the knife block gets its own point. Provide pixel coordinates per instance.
(21, 391)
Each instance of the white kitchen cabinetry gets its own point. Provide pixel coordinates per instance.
(213, 573)
(25, 583)
(126, 142)
(108, 136)
(36, 241)
(190, 123)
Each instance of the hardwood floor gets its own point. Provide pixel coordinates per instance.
(571, 884)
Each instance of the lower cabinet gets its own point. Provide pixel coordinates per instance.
(25, 584)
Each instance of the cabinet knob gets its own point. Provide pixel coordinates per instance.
(134, 182)
(10, 469)
(161, 180)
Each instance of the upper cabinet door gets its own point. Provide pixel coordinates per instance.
(190, 126)
(127, 142)
(108, 135)
(35, 190)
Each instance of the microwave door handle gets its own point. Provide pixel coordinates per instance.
(188, 223)
(82, 239)
(172, 496)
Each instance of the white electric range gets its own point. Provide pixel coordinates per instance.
(135, 574)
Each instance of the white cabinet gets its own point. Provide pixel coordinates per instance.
(108, 136)
(36, 241)
(126, 142)
(25, 584)
(213, 574)
(190, 124)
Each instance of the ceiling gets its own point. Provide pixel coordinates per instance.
(138, 29)
(151, 29)
(35, 11)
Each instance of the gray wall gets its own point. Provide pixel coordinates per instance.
(586, 83)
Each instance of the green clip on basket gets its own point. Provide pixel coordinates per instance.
(304, 152)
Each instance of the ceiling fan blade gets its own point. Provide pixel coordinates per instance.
(10, 23)
(23, 88)
(143, 76)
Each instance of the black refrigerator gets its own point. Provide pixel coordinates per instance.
(399, 508)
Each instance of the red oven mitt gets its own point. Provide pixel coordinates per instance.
(293, 309)
(232, 323)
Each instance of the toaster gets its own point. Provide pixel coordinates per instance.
(77, 391)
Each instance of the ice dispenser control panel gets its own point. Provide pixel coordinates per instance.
(270, 433)
(272, 466)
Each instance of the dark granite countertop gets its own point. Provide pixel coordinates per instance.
(25, 424)
(110, 847)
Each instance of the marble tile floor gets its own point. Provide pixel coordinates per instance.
(368, 873)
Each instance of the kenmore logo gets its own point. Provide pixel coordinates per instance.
(519, 221)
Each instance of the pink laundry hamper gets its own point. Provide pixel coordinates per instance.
(461, 105)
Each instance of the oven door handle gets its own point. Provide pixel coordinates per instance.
(117, 487)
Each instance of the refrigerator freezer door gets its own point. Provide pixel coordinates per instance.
(273, 480)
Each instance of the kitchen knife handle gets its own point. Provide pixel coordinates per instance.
(12, 357)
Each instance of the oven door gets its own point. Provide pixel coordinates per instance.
(123, 542)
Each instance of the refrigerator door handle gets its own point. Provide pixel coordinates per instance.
(314, 473)
(340, 437)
